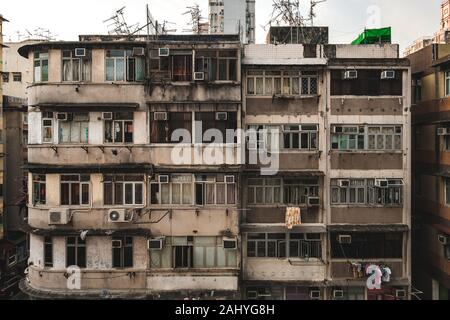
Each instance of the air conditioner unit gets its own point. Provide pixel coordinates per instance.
(163, 179)
(338, 294)
(107, 115)
(229, 244)
(221, 116)
(442, 131)
(164, 52)
(138, 52)
(344, 239)
(230, 179)
(156, 244)
(313, 201)
(381, 183)
(160, 116)
(59, 216)
(401, 294)
(344, 183)
(62, 116)
(80, 52)
(443, 239)
(117, 244)
(199, 76)
(117, 216)
(314, 294)
(350, 74)
(388, 74)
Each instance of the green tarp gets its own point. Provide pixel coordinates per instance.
(371, 36)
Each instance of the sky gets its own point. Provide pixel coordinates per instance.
(410, 19)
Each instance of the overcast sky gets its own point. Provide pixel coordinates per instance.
(410, 19)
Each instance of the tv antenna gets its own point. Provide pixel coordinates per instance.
(312, 12)
(154, 27)
(119, 25)
(286, 12)
(197, 26)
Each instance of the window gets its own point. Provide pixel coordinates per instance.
(121, 65)
(368, 83)
(1, 136)
(120, 129)
(47, 127)
(217, 65)
(76, 68)
(368, 246)
(214, 190)
(447, 142)
(351, 138)
(17, 76)
(366, 192)
(74, 190)
(177, 191)
(270, 82)
(281, 245)
(122, 252)
(123, 189)
(75, 252)
(182, 67)
(162, 130)
(48, 252)
(263, 138)
(447, 191)
(5, 77)
(1, 189)
(297, 191)
(303, 137)
(264, 191)
(207, 121)
(39, 189)
(40, 66)
(447, 83)
(193, 252)
(75, 129)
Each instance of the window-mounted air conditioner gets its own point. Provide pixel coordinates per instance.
(117, 244)
(388, 74)
(163, 179)
(138, 52)
(107, 115)
(221, 116)
(229, 244)
(381, 183)
(156, 244)
(313, 201)
(350, 74)
(443, 239)
(442, 131)
(338, 294)
(345, 239)
(344, 183)
(164, 52)
(401, 294)
(160, 116)
(117, 216)
(80, 52)
(59, 216)
(62, 116)
(314, 294)
(199, 76)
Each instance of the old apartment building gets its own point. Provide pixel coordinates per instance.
(2, 20)
(317, 190)
(431, 223)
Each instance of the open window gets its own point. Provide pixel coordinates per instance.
(122, 65)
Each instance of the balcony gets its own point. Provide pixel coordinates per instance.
(290, 160)
(343, 270)
(170, 221)
(367, 106)
(367, 161)
(257, 269)
(277, 215)
(158, 155)
(308, 105)
(366, 215)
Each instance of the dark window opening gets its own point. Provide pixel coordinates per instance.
(122, 252)
(75, 252)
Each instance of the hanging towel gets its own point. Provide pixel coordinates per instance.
(386, 274)
(293, 217)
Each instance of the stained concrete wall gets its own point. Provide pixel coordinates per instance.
(283, 270)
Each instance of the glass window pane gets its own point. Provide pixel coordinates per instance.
(120, 70)
(176, 193)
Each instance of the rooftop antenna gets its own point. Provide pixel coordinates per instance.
(312, 12)
(197, 26)
(286, 12)
(154, 28)
(119, 25)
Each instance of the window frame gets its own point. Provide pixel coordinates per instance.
(123, 123)
(72, 121)
(42, 184)
(127, 243)
(82, 182)
(40, 57)
(84, 66)
(121, 179)
(48, 250)
(78, 245)
(49, 117)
